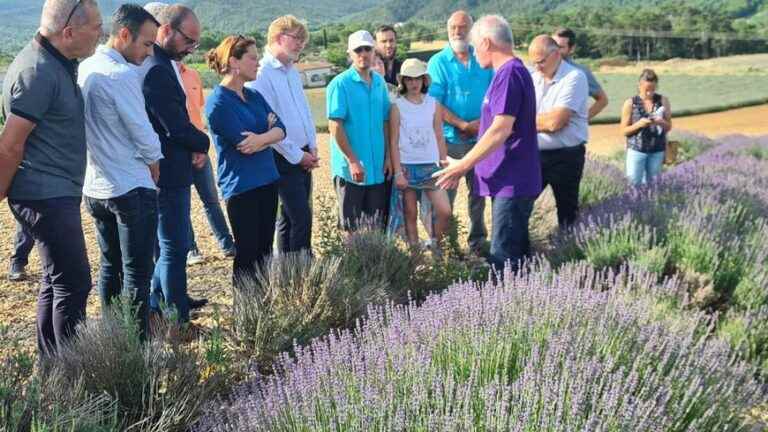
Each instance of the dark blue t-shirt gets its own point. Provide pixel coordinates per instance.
(228, 117)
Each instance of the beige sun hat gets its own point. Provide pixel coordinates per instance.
(413, 68)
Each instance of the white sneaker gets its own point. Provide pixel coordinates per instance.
(194, 257)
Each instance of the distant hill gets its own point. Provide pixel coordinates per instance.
(19, 18)
(429, 10)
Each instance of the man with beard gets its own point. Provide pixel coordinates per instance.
(280, 85)
(459, 84)
(183, 145)
(386, 48)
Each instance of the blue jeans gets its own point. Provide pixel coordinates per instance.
(509, 233)
(294, 222)
(169, 281)
(643, 167)
(22, 246)
(126, 227)
(56, 226)
(209, 195)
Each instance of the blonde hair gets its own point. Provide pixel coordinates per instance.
(286, 24)
(217, 59)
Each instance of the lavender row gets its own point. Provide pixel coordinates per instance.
(535, 352)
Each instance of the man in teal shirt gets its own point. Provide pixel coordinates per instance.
(459, 84)
(358, 114)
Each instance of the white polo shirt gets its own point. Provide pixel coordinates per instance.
(568, 89)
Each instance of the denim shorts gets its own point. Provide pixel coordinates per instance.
(420, 175)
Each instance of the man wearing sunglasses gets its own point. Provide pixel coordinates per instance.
(43, 158)
(358, 115)
(183, 146)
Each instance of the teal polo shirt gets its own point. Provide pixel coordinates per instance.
(459, 88)
(363, 109)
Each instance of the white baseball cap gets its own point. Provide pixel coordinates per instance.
(358, 39)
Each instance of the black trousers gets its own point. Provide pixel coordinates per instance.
(562, 169)
(56, 226)
(252, 215)
(360, 201)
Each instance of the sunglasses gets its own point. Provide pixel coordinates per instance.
(362, 49)
(72, 12)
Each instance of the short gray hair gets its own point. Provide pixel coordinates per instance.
(495, 28)
(155, 8)
(55, 13)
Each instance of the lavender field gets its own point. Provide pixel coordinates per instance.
(650, 314)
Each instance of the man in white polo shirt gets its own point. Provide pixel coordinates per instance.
(562, 124)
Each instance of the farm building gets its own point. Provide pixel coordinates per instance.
(314, 74)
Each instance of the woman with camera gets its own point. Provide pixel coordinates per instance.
(646, 118)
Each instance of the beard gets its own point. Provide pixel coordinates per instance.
(459, 45)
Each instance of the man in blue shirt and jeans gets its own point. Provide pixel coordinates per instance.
(459, 84)
(358, 115)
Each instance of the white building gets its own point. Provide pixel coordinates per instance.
(314, 74)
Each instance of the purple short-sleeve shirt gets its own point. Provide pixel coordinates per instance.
(512, 170)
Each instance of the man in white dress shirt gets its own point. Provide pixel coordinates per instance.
(280, 84)
(123, 160)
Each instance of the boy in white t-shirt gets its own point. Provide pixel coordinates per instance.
(417, 148)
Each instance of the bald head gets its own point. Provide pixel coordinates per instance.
(175, 15)
(544, 54)
(542, 45)
(460, 17)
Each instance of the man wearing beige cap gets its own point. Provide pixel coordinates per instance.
(358, 115)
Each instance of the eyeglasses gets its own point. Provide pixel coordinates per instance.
(361, 49)
(72, 12)
(188, 40)
(297, 38)
(541, 62)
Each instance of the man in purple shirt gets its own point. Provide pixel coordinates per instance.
(506, 157)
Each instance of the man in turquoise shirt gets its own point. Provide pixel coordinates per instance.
(459, 84)
(358, 114)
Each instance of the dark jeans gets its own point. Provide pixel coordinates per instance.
(252, 215)
(562, 169)
(56, 226)
(205, 184)
(478, 233)
(358, 201)
(22, 246)
(509, 233)
(294, 223)
(169, 281)
(126, 228)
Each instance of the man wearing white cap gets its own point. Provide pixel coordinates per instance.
(358, 115)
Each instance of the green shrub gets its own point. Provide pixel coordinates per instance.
(156, 386)
(295, 299)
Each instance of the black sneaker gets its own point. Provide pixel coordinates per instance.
(197, 303)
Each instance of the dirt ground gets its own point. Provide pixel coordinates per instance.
(211, 279)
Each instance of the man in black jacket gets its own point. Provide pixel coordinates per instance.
(184, 146)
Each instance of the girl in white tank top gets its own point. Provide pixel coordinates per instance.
(417, 150)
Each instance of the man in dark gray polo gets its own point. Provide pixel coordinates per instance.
(42, 159)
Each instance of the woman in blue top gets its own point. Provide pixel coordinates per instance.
(243, 127)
